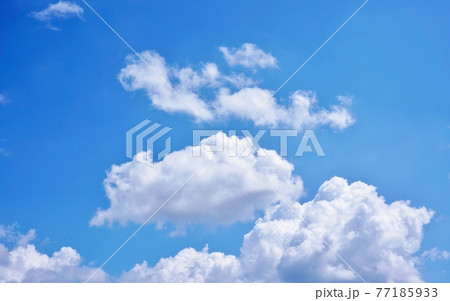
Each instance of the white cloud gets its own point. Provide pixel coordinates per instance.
(225, 192)
(248, 55)
(23, 263)
(11, 235)
(188, 265)
(436, 254)
(60, 10)
(302, 113)
(137, 75)
(379, 241)
(239, 80)
(234, 95)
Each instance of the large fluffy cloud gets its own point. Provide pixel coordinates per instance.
(377, 239)
(23, 263)
(208, 94)
(224, 190)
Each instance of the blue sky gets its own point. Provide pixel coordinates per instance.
(65, 112)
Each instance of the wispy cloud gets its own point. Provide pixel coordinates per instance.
(4, 152)
(3, 100)
(248, 55)
(234, 95)
(436, 254)
(60, 10)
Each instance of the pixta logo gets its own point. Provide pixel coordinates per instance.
(144, 136)
(141, 140)
(308, 142)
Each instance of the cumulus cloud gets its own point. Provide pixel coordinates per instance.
(23, 263)
(302, 113)
(377, 239)
(208, 94)
(248, 55)
(380, 240)
(188, 265)
(137, 75)
(225, 192)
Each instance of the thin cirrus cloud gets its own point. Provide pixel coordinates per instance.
(248, 55)
(233, 95)
(435, 254)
